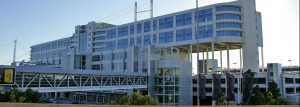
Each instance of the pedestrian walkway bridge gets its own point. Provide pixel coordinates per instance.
(65, 80)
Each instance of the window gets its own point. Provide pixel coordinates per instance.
(139, 28)
(205, 31)
(131, 29)
(111, 45)
(120, 55)
(229, 16)
(184, 19)
(154, 25)
(147, 40)
(111, 33)
(229, 25)
(123, 43)
(96, 58)
(139, 41)
(204, 15)
(147, 26)
(54, 45)
(106, 66)
(107, 57)
(165, 23)
(229, 33)
(99, 38)
(83, 43)
(98, 49)
(131, 41)
(99, 44)
(119, 66)
(100, 33)
(184, 34)
(123, 31)
(228, 8)
(154, 39)
(165, 37)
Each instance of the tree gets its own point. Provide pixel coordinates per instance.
(279, 101)
(137, 99)
(269, 97)
(247, 84)
(273, 88)
(31, 96)
(256, 97)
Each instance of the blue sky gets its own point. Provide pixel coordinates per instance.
(37, 21)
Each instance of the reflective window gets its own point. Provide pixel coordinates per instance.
(82, 43)
(123, 43)
(106, 66)
(147, 26)
(228, 8)
(120, 55)
(229, 33)
(166, 22)
(229, 16)
(229, 25)
(111, 45)
(205, 31)
(107, 57)
(165, 37)
(99, 38)
(111, 33)
(119, 66)
(184, 19)
(154, 39)
(131, 41)
(147, 40)
(139, 28)
(100, 33)
(131, 29)
(184, 34)
(99, 44)
(123, 31)
(139, 41)
(98, 49)
(204, 15)
(154, 25)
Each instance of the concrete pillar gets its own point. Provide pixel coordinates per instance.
(228, 58)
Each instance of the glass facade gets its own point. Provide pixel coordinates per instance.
(154, 38)
(184, 19)
(204, 15)
(100, 33)
(123, 43)
(147, 26)
(139, 41)
(139, 28)
(147, 40)
(111, 33)
(123, 31)
(229, 16)
(82, 43)
(131, 29)
(229, 25)
(99, 38)
(229, 33)
(111, 45)
(205, 31)
(154, 25)
(165, 23)
(184, 34)
(228, 8)
(166, 37)
(131, 41)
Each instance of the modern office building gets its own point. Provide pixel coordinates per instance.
(162, 47)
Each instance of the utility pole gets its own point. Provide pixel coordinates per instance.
(197, 47)
(14, 53)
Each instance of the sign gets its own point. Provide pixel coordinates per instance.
(7, 76)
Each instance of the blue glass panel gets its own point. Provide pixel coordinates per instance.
(154, 38)
(154, 25)
(111, 45)
(147, 26)
(204, 15)
(165, 23)
(99, 38)
(147, 40)
(123, 31)
(100, 33)
(184, 19)
(131, 41)
(228, 8)
(139, 41)
(229, 25)
(205, 31)
(229, 33)
(123, 43)
(165, 37)
(184, 34)
(139, 28)
(111, 33)
(131, 29)
(229, 16)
